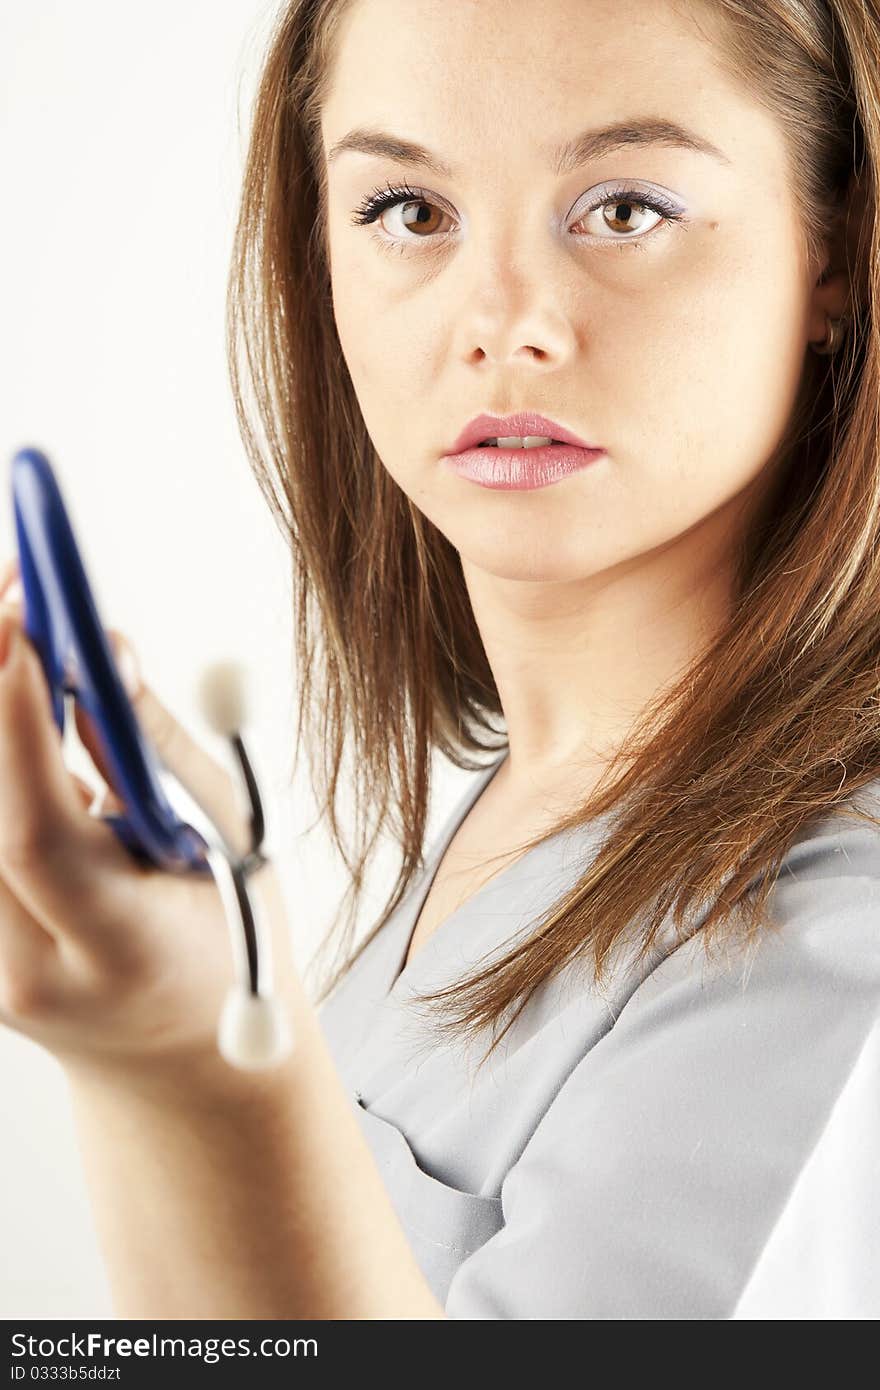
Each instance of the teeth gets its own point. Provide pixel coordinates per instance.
(512, 441)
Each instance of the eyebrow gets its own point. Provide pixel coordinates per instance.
(570, 155)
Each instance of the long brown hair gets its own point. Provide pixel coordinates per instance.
(774, 724)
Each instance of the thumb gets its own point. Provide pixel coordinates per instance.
(207, 781)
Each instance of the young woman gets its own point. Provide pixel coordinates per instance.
(655, 912)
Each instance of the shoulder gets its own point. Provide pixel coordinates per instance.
(819, 952)
(841, 844)
(827, 895)
(657, 1176)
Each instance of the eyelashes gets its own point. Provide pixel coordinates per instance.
(381, 199)
(390, 195)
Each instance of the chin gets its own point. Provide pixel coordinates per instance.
(530, 560)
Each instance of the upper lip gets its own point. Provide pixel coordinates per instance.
(522, 424)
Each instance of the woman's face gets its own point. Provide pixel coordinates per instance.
(676, 346)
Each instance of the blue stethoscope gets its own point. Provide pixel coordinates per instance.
(62, 622)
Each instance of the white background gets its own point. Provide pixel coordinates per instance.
(122, 136)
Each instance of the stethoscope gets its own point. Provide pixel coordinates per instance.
(62, 622)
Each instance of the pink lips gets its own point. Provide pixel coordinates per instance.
(518, 469)
(523, 423)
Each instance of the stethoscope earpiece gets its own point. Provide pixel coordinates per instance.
(253, 1032)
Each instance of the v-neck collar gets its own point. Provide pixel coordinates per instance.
(397, 974)
(372, 998)
(547, 867)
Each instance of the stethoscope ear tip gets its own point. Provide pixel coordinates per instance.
(254, 1031)
(221, 696)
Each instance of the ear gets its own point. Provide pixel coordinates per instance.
(843, 277)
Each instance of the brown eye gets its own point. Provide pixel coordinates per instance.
(420, 220)
(417, 216)
(417, 219)
(623, 216)
(623, 211)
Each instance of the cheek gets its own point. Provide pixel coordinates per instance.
(707, 394)
(371, 332)
(350, 314)
(370, 362)
(389, 371)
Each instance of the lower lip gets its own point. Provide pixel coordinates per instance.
(521, 469)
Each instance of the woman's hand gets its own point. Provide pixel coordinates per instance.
(107, 963)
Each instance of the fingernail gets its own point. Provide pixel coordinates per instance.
(13, 593)
(127, 664)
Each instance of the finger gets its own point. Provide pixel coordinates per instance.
(105, 801)
(86, 793)
(9, 575)
(35, 964)
(30, 742)
(55, 859)
(97, 801)
(212, 785)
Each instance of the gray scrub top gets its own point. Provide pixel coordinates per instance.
(700, 1140)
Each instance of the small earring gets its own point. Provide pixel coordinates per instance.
(834, 337)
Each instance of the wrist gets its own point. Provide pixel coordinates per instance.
(194, 1074)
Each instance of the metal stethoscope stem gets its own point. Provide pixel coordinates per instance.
(253, 1031)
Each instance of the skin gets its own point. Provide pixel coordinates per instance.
(588, 594)
(256, 1194)
(681, 359)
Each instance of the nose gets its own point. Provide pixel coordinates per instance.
(518, 316)
(519, 339)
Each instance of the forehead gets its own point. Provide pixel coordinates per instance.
(465, 74)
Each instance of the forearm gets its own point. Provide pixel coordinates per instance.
(219, 1194)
